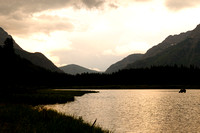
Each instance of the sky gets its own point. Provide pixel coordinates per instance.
(95, 33)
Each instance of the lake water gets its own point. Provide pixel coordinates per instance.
(150, 111)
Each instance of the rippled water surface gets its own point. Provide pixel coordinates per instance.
(124, 111)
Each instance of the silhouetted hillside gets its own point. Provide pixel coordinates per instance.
(4, 35)
(76, 69)
(123, 63)
(168, 42)
(183, 49)
(17, 72)
(39, 59)
(36, 58)
(171, 67)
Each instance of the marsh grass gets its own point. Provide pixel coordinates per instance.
(26, 119)
(36, 97)
(19, 113)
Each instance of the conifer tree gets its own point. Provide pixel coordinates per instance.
(8, 46)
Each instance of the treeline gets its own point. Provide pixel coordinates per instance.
(155, 75)
(17, 72)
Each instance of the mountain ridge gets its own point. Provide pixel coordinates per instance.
(74, 69)
(4, 35)
(157, 55)
(36, 58)
(123, 63)
(185, 51)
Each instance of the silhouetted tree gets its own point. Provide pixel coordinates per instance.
(8, 45)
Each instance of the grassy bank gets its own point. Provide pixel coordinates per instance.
(36, 97)
(17, 115)
(26, 119)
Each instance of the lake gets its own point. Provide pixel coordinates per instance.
(126, 111)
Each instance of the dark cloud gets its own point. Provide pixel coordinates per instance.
(142, 0)
(26, 26)
(17, 15)
(93, 3)
(32, 6)
(176, 5)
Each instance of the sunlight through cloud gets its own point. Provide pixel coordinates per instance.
(100, 27)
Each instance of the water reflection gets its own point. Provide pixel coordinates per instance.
(139, 110)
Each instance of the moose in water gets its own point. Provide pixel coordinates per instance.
(182, 91)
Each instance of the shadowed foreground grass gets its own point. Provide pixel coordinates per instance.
(26, 119)
(17, 115)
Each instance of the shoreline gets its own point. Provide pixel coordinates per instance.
(21, 114)
(130, 87)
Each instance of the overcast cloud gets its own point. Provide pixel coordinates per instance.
(42, 24)
(17, 16)
(8, 7)
(30, 6)
(95, 33)
(177, 5)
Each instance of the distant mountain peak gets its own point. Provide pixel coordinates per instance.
(2, 31)
(198, 26)
(4, 35)
(74, 69)
(196, 32)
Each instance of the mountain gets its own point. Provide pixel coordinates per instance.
(168, 42)
(36, 58)
(76, 69)
(17, 72)
(4, 35)
(123, 63)
(182, 49)
(39, 59)
(131, 59)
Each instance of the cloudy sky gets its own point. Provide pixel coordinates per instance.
(95, 33)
